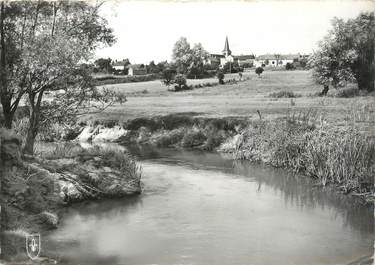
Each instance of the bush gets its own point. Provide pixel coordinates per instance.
(290, 66)
(284, 94)
(193, 138)
(168, 76)
(347, 93)
(180, 81)
(110, 80)
(259, 71)
(220, 77)
(168, 138)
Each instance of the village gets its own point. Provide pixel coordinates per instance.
(243, 61)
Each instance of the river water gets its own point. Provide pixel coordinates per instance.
(203, 208)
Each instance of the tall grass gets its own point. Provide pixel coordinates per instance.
(344, 157)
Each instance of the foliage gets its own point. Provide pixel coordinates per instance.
(331, 156)
(44, 44)
(290, 66)
(232, 67)
(284, 94)
(168, 77)
(259, 71)
(220, 76)
(110, 79)
(104, 65)
(189, 61)
(180, 81)
(347, 53)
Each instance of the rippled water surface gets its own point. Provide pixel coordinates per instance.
(201, 208)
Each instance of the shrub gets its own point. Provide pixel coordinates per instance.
(220, 77)
(110, 80)
(290, 66)
(284, 94)
(167, 76)
(193, 138)
(168, 138)
(259, 71)
(347, 93)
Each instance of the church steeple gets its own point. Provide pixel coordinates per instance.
(226, 50)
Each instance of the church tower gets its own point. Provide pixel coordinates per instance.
(226, 50)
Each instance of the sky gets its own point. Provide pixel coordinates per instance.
(147, 30)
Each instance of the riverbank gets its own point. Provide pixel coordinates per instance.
(34, 189)
(343, 156)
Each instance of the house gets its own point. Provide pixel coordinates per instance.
(120, 65)
(278, 60)
(136, 69)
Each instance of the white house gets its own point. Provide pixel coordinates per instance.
(277, 60)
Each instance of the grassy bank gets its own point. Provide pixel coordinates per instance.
(343, 157)
(304, 142)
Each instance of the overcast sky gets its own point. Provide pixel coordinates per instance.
(147, 30)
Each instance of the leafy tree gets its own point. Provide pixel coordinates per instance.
(42, 45)
(259, 71)
(232, 67)
(347, 54)
(220, 77)
(189, 61)
(182, 55)
(104, 65)
(198, 57)
(153, 68)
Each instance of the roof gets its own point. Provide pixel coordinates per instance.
(226, 47)
(137, 66)
(244, 57)
(280, 57)
(213, 55)
(120, 63)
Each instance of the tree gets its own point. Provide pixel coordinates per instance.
(189, 61)
(259, 71)
(198, 58)
(50, 40)
(182, 55)
(347, 54)
(104, 65)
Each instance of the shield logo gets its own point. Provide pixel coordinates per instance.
(33, 246)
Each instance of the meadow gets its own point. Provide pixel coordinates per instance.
(244, 99)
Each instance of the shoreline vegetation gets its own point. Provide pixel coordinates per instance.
(340, 156)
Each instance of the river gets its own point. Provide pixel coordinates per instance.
(203, 208)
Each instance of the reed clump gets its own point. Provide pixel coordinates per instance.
(331, 155)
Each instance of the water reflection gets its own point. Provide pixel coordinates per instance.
(296, 190)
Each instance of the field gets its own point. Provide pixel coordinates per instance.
(243, 99)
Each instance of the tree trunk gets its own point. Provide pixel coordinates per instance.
(324, 91)
(33, 123)
(5, 101)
